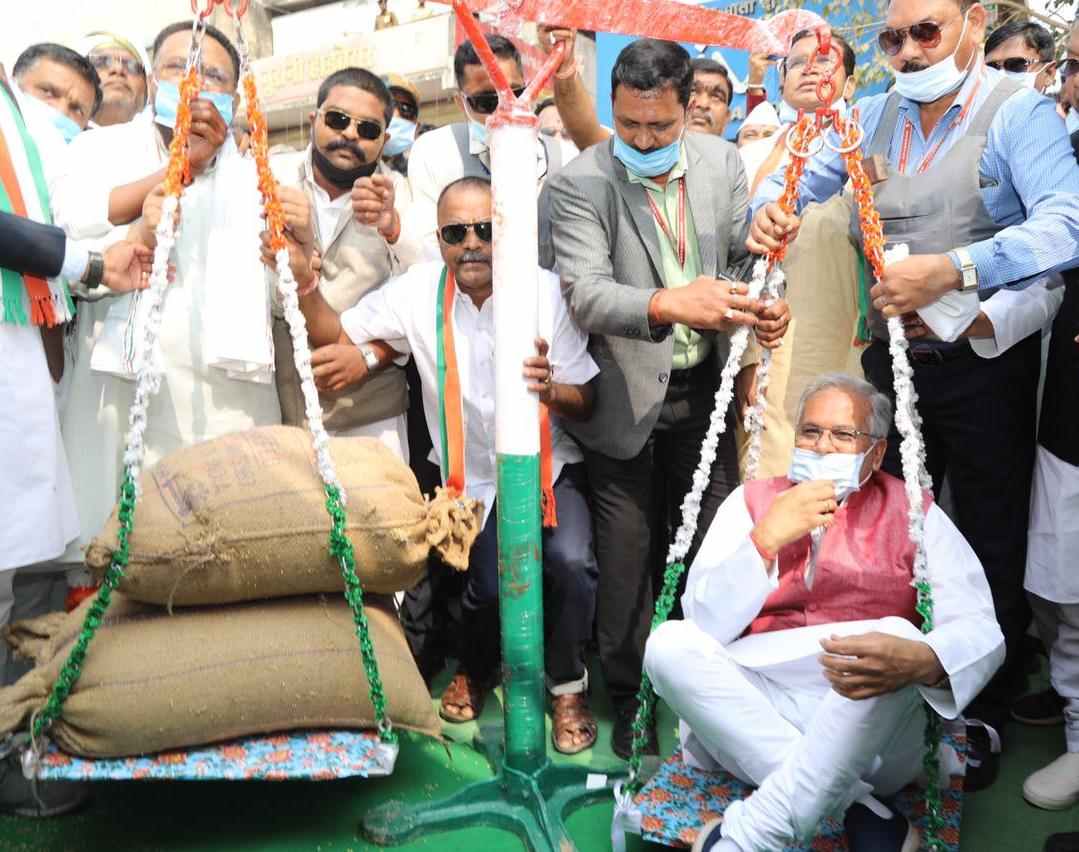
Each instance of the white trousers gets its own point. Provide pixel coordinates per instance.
(393, 432)
(1058, 626)
(810, 752)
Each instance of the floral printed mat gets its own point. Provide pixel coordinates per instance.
(678, 800)
(299, 755)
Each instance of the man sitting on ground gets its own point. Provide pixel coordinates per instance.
(818, 559)
(401, 317)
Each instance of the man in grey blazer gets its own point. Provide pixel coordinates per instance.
(642, 226)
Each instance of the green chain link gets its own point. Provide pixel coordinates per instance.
(341, 549)
(934, 812)
(72, 669)
(646, 695)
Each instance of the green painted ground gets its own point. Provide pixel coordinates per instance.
(322, 817)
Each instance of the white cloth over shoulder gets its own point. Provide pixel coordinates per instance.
(1053, 540)
(235, 326)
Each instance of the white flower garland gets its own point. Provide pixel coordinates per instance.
(148, 367)
(770, 288)
(297, 326)
(691, 505)
(909, 423)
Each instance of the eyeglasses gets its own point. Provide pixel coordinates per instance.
(339, 121)
(814, 60)
(487, 102)
(216, 77)
(129, 65)
(1014, 64)
(453, 235)
(406, 109)
(1068, 67)
(810, 435)
(925, 33)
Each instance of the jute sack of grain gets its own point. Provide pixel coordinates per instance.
(243, 517)
(153, 681)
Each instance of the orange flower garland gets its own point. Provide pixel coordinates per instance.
(260, 147)
(178, 174)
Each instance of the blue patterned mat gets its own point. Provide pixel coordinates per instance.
(299, 755)
(678, 800)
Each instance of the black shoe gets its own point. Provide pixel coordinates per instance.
(867, 832)
(25, 798)
(1066, 842)
(1042, 709)
(983, 765)
(622, 732)
(709, 836)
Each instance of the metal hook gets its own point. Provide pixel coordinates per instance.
(813, 147)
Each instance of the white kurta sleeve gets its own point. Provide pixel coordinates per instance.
(966, 637)
(568, 345)
(421, 219)
(410, 247)
(1017, 314)
(382, 314)
(728, 581)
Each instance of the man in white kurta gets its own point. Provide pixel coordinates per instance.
(218, 298)
(766, 594)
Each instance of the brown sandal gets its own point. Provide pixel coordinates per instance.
(570, 714)
(462, 700)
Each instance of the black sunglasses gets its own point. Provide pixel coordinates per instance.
(339, 121)
(925, 33)
(1014, 64)
(487, 102)
(453, 235)
(1068, 67)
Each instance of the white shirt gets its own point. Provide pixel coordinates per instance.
(1053, 539)
(728, 584)
(1017, 314)
(402, 313)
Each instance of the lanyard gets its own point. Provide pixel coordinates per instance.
(678, 243)
(908, 135)
(451, 411)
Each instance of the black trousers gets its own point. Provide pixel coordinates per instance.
(979, 428)
(635, 504)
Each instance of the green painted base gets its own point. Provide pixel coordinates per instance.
(534, 807)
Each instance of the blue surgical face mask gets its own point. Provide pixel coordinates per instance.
(1071, 121)
(67, 128)
(654, 163)
(167, 102)
(402, 135)
(933, 83)
(477, 132)
(844, 469)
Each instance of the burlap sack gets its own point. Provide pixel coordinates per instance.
(243, 517)
(154, 681)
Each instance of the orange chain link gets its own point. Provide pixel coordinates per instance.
(178, 173)
(868, 217)
(260, 147)
(803, 133)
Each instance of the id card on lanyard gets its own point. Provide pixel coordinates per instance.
(930, 155)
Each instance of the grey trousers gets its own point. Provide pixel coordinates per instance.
(27, 593)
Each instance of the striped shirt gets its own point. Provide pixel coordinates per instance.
(1029, 179)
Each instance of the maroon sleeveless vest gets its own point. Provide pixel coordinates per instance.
(865, 565)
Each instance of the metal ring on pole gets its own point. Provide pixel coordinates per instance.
(846, 149)
(816, 144)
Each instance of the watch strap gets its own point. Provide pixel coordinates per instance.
(95, 270)
(967, 270)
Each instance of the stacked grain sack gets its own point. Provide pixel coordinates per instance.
(231, 620)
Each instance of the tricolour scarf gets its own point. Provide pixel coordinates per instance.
(26, 299)
(451, 412)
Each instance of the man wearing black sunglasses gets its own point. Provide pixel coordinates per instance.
(981, 185)
(405, 314)
(1024, 51)
(459, 150)
(355, 199)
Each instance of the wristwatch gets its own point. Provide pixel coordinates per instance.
(95, 270)
(968, 270)
(370, 358)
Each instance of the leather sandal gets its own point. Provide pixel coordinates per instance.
(570, 714)
(462, 701)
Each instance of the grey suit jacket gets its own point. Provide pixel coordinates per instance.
(608, 256)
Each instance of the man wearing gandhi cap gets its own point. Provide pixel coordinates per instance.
(121, 65)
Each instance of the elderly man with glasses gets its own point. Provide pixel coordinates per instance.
(442, 313)
(121, 65)
(800, 667)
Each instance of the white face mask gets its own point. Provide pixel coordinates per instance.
(1025, 78)
(933, 83)
(789, 115)
(844, 469)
